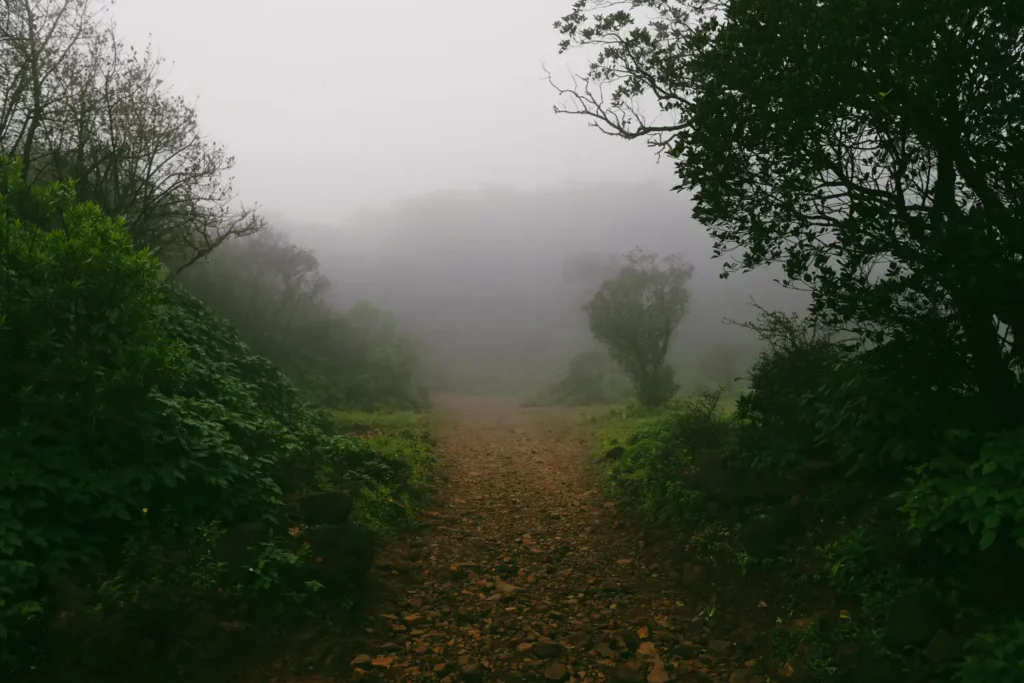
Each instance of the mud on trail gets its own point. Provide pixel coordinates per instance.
(524, 573)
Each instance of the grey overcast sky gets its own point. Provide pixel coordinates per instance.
(331, 105)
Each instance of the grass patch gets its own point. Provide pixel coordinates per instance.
(389, 507)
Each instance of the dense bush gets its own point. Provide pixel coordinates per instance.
(388, 504)
(127, 409)
(651, 465)
(892, 196)
(585, 381)
(888, 495)
(84, 366)
(995, 656)
(779, 425)
(971, 493)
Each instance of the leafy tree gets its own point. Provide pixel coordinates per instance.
(635, 315)
(872, 149)
(129, 412)
(77, 103)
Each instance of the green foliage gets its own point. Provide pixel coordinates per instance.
(812, 645)
(848, 561)
(994, 656)
(585, 381)
(273, 559)
(652, 471)
(387, 505)
(838, 141)
(406, 422)
(635, 315)
(147, 569)
(89, 437)
(779, 428)
(133, 415)
(969, 494)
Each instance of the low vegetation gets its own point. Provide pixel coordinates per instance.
(133, 417)
(168, 454)
(388, 506)
(872, 536)
(858, 151)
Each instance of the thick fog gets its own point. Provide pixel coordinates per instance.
(492, 281)
(414, 147)
(332, 105)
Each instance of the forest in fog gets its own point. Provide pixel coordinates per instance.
(491, 282)
(581, 341)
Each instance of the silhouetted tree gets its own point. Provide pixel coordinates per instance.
(873, 149)
(77, 103)
(635, 315)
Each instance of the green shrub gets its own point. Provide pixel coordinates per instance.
(811, 396)
(585, 380)
(652, 473)
(994, 656)
(388, 505)
(83, 360)
(129, 413)
(105, 427)
(274, 293)
(970, 493)
(778, 425)
(265, 414)
(848, 561)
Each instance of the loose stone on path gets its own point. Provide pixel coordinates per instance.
(526, 574)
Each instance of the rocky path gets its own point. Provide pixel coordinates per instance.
(526, 574)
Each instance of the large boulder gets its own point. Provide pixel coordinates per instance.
(914, 619)
(345, 548)
(777, 528)
(331, 507)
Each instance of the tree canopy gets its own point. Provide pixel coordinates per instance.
(635, 315)
(76, 102)
(872, 149)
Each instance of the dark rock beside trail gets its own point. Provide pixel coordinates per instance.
(238, 547)
(347, 548)
(914, 619)
(331, 507)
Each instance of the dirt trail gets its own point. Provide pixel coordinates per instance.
(525, 573)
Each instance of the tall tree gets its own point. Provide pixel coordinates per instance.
(636, 313)
(76, 102)
(874, 149)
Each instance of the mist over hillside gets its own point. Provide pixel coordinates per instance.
(491, 281)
